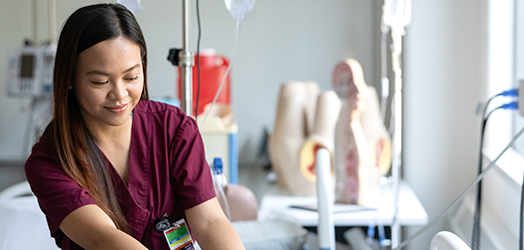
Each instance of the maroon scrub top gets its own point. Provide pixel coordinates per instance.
(168, 173)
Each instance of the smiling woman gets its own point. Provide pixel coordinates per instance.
(108, 83)
(111, 163)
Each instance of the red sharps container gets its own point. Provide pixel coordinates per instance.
(213, 67)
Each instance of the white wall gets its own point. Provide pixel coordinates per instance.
(445, 78)
(279, 41)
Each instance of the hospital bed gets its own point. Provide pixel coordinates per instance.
(22, 223)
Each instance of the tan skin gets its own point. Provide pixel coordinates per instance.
(108, 85)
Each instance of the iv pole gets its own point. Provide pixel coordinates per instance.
(396, 16)
(185, 58)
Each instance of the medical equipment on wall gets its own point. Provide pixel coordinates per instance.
(30, 71)
(30, 68)
(396, 15)
(30, 74)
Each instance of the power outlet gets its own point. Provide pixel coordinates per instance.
(521, 97)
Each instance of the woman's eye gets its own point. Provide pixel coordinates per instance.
(132, 78)
(100, 83)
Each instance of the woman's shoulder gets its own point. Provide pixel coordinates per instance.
(163, 114)
(44, 146)
(42, 161)
(152, 107)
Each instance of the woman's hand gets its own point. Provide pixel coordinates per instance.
(91, 228)
(211, 227)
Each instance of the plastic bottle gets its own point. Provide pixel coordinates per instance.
(219, 178)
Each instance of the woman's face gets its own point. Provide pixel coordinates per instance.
(108, 82)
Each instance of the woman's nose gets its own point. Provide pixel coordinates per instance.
(118, 91)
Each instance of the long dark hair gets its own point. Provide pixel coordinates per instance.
(77, 151)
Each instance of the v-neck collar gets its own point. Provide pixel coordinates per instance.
(110, 166)
(132, 195)
(138, 170)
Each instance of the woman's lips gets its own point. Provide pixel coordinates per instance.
(118, 108)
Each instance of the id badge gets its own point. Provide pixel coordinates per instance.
(178, 236)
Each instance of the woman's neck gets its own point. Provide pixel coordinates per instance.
(115, 143)
(113, 136)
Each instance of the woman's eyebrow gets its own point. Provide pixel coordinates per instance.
(99, 72)
(132, 68)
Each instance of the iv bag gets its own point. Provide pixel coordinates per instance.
(132, 5)
(238, 8)
(396, 13)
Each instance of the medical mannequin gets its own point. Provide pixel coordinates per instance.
(351, 151)
(378, 138)
(303, 114)
(111, 163)
(362, 145)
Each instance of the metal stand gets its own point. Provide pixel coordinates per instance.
(397, 144)
(396, 16)
(186, 63)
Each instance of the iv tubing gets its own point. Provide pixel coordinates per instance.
(198, 60)
(224, 77)
(463, 194)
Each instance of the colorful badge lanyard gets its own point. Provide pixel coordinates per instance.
(177, 234)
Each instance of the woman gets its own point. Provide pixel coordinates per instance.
(112, 166)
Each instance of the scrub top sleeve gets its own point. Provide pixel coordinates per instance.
(58, 195)
(190, 172)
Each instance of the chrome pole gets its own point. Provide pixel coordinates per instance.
(186, 62)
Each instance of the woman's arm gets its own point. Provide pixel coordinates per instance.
(91, 228)
(211, 227)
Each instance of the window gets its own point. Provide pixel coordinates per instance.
(505, 67)
(518, 60)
